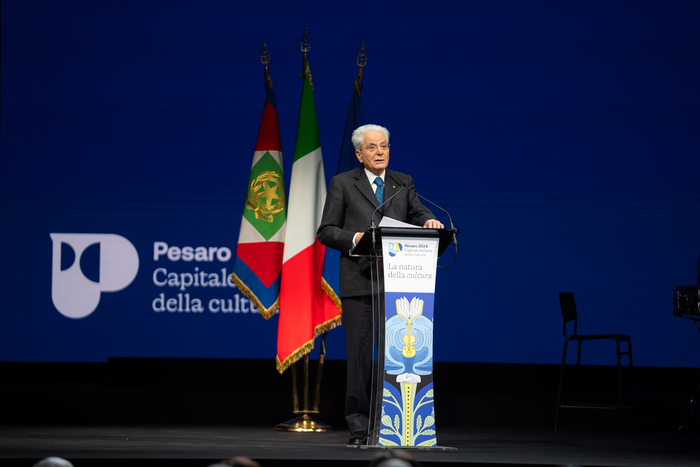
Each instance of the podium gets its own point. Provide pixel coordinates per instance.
(403, 269)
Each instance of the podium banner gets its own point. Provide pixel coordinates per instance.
(408, 413)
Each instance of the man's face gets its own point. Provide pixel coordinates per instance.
(376, 158)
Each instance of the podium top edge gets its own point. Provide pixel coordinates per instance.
(409, 232)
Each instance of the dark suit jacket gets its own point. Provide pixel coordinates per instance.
(350, 203)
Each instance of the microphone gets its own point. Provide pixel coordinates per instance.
(373, 227)
(452, 226)
(385, 202)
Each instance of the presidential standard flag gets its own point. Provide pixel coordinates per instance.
(306, 310)
(261, 239)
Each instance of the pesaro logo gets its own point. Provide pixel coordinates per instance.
(395, 249)
(85, 265)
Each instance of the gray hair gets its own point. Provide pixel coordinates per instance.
(359, 134)
(53, 462)
(394, 463)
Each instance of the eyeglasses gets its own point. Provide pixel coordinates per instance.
(372, 148)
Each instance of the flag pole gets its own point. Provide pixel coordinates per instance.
(357, 86)
(345, 161)
(306, 424)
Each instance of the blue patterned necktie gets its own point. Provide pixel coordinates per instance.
(380, 189)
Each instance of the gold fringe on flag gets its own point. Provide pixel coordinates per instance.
(266, 313)
(331, 294)
(307, 347)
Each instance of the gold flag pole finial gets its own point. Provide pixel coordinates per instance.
(361, 62)
(265, 59)
(305, 41)
(305, 47)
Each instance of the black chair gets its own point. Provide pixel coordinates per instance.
(568, 311)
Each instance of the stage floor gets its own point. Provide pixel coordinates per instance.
(203, 445)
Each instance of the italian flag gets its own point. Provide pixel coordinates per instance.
(308, 307)
(261, 238)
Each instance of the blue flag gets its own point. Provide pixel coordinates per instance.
(346, 161)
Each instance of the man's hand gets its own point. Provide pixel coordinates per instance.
(358, 236)
(433, 224)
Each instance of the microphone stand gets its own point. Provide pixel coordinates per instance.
(376, 316)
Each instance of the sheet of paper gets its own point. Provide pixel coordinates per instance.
(390, 222)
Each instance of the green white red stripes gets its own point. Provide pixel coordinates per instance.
(305, 309)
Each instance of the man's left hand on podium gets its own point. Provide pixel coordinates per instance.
(433, 224)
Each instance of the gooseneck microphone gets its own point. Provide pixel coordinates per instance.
(452, 226)
(373, 227)
(385, 202)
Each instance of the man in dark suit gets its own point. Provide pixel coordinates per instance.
(350, 203)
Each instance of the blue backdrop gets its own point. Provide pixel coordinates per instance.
(564, 138)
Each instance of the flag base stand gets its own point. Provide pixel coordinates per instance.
(304, 424)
